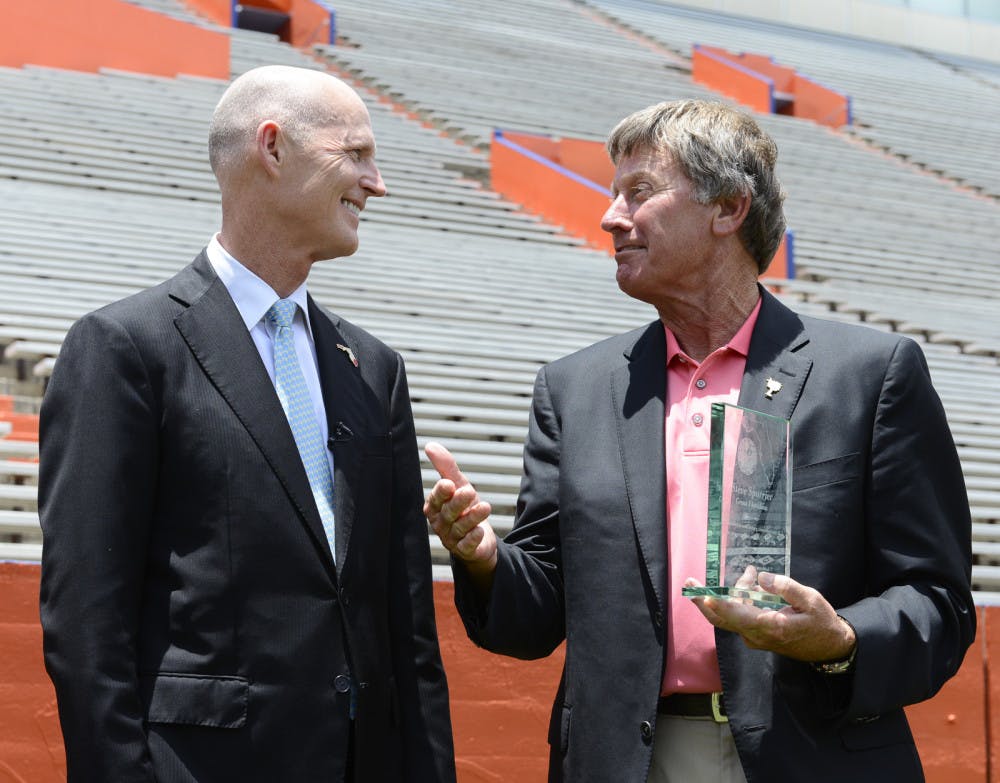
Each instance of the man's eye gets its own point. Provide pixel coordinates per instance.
(355, 155)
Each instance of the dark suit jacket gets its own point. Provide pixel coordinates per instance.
(880, 527)
(195, 624)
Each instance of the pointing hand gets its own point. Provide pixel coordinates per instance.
(458, 516)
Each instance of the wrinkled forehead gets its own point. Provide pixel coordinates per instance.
(351, 127)
(644, 163)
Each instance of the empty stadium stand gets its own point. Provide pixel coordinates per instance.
(906, 101)
(107, 190)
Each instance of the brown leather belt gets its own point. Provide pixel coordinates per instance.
(694, 705)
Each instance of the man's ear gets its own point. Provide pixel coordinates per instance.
(730, 214)
(268, 146)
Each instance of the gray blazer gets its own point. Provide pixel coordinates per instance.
(195, 624)
(881, 527)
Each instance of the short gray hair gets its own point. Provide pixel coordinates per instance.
(278, 93)
(724, 153)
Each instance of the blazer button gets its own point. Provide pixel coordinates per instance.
(658, 619)
(646, 730)
(342, 683)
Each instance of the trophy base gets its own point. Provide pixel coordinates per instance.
(758, 598)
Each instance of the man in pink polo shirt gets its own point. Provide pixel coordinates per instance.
(611, 517)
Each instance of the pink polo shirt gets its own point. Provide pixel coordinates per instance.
(691, 663)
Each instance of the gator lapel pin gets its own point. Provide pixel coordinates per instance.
(771, 387)
(354, 359)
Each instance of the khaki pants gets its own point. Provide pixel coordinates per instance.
(694, 750)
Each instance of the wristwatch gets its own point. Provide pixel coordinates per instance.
(837, 667)
(842, 666)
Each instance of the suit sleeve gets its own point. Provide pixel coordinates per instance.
(97, 482)
(524, 614)
(420, 678)
(914, 631)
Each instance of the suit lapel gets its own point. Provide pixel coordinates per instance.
(213, 329)
(344, 400)
(777, 336)
(638, 392)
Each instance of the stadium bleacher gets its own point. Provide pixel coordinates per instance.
(905, 100)
(107, 189)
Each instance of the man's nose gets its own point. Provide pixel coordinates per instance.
(372, 182)
(616, 216)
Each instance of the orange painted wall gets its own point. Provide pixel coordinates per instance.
(219, 11)
(548, 192)
(108, 34)
(284, 6)
(23, 426)
(718, 73)
(310, 23)
(990, 628)
(31, 749)
(951, 728)
(500, 706)
(727, 73)
(782, 266)
(588, 159)
(820, 104)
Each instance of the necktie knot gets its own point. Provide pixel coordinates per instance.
(282, 312)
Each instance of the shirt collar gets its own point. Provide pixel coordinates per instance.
(252, 296)
(740, 342)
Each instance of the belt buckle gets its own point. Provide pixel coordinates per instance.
(717, 714)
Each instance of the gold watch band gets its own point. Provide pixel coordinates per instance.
(837, 667)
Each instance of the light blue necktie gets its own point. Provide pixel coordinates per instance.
(294, 396)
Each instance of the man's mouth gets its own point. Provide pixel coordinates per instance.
(355, 208)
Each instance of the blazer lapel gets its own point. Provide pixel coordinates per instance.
(772, 360)
(213, 329)
(638, 392)
(344, 398)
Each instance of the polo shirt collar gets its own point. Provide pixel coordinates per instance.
(740, 342)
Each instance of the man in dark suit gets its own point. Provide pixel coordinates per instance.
(611, 518)
(236, 580)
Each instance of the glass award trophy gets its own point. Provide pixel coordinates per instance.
(749, 505)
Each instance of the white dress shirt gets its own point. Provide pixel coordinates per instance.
(253, 298)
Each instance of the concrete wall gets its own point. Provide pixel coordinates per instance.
(500, 706)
